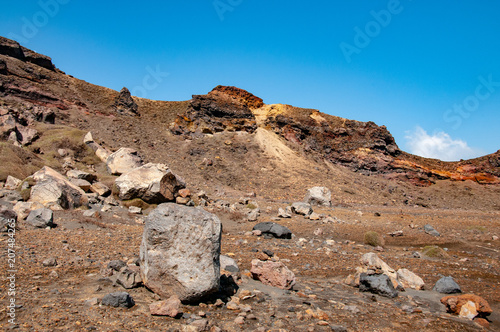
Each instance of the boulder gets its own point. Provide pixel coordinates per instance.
(447, 285)
(54, 191)
(129, 276)
(122, 161)
(12, 183)
(273, 229)
(430, 230)
(125, 104)
(275, 274)
(100, 152)
(410, 280)
(153, 183)
(372, 260)
(77, 174)
(27, 135)
(170, 307)
(23, 209)
(100, 189)
(81, 183)
(379, 284)
(180, 251)
(321, 196)
(302, 208)
(283, 214)
(455, 304)
(118, 299)
(41, 218)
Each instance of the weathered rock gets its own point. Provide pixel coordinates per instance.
(228, 264)
(7, 126)
(319, 196)
(430, 230)
(275, 274)
(135, 210)
(10, 196)
(447, 285)
(100, 152)
(153, 183)
(54, 191)
(283, 214)
(454, 304)
(41, 218)
(122, 161)
(314, 216)
(116, 265)
(118, 299)
(372, 259)
(12, 183)
(180, 252)
(6, 217)
(129, 277)
(82, 184)
(410, 280)
(253, 215)
(169, 307)
(51, 261)
(273, 229)
(468, 310)
(77, 174)
(379, 284)
(100, 188)
(27, 135)
(125, 104)
(302, 208)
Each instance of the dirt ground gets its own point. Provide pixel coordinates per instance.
(51, 301)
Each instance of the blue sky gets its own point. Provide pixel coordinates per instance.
(428, 71)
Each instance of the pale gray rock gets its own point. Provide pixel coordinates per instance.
(180, 251)
(122, 161)
(41, 218)
(54, 191)
(321, 196)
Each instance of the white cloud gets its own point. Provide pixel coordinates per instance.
(439, 145)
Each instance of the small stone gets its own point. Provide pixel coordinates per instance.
(168, 308)
(51, 261)
(257, 232)
(482, 322)
(431, 231)
(239, 320)
(495, 238)
(314, 216)
(53, 274)
(232, 305)
(135, 210)
(118, 299)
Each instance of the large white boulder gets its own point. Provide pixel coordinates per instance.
(122, 161)
(180, 252)
(54, 191)
(153, 183)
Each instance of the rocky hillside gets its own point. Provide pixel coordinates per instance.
(227, 139)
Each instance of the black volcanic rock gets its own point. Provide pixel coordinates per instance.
(13, 49)
(223, 108)
(3, 68)
(125, 104)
